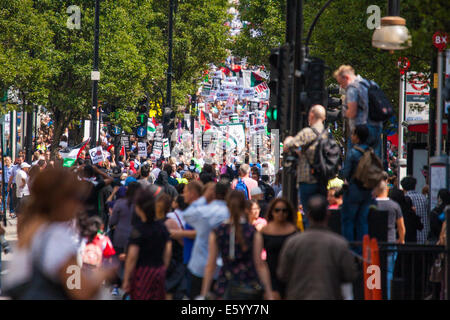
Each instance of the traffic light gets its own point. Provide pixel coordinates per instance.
(277, 112)
(168, 121)
(334, 105)
(314, 75)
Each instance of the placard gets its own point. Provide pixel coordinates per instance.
(166, 148)
(142, 150)
(96, 155)
(125, 141)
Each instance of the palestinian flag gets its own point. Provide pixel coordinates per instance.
(71, 155)
(123, 153)
(251, 79)
(151, 125)
(207, 125)
(202, 118)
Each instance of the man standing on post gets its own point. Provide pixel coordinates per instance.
(305, 139)
(357, 106)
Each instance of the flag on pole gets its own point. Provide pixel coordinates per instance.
(72, 154)
(123, 153)
(151, 125)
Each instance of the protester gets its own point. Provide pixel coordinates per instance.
(253, 215)
(305, 141)
(148, 254)
(43, 233)
(420, 203)
(204, 215)
(247, 183)
(357, 106)
(281, 224)
(437, 215)
(357, 199)
(243, 270)
(395, 218)
(316, 263)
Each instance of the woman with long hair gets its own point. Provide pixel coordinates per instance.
(46, 254)
(281, 224)
(148, 254)
(253, 211)
(244, 275)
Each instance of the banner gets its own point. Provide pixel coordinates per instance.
(206, 90)
(96, 155)
(248, 93)
(166, 148)
(237, 90)
(262, 87)
(125, 141)
(236, 133)
(142, 150)
(256, 129)
(157, 148)
(417, 104)
(222, 96)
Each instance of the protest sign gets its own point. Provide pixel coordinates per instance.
(96, 155)
(142, 150)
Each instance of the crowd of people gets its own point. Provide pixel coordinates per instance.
(172, 229)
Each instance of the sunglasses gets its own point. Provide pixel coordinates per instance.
(280, 210)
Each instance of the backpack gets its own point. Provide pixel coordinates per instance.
(241, 186)
(268, 191)
(369, 171)
(380, 108)
(327, 157)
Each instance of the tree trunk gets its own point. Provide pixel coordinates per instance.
(61, 121)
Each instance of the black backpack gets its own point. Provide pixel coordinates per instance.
(380, 108)
(327, 157)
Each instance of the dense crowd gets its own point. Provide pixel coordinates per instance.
(180, 229)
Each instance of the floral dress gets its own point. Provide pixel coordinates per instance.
(241, 268)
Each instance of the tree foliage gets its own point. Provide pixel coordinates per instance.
(50, 64)
(341, 35)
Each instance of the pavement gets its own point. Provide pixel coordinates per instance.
(11, 237)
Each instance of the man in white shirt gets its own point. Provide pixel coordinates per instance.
(22, 185)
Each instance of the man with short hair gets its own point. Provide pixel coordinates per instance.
(204, 215)
(305, 139)
(12, 187)
(420, 204)
(316, 263)
(23, 192)
(356, 104)
(8, 172)
(244, 174)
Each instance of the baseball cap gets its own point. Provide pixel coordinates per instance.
(25, 165)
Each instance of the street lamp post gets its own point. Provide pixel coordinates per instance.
(95, 76)
(169, 68)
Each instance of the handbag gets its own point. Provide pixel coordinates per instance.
(39, 286)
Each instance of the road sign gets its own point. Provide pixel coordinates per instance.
(141, 131)
(440, 40)
(116, 130)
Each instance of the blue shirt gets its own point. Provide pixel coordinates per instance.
(188, 244)
(356, 92)
(203, 217)
(351, 162)
(8, 173)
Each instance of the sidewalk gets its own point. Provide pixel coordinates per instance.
(11, 237)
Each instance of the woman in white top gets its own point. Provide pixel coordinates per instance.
(44, 263)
